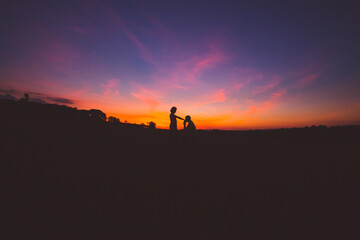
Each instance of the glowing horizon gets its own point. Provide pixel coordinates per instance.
(228, 67)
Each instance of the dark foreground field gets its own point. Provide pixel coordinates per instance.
(64, 179)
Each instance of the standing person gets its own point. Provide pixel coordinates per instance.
(173, 124)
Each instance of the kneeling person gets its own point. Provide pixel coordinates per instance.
(189, 129)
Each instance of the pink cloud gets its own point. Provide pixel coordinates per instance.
(148, 96)
(144, 52)
(277, 95)
(272, 102)
(249, 101)
(124, 25)
(175, 73)
(219, 96)
(253, 109)
(58, 52)
(110, 86)
(180, 86)
(199, 64)
(307, 80)
(244, 75)
(238, 86)
(207, 62)
(215, 97)
(186, 73)
(260, 89)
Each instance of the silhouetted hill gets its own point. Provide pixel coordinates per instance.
(43, 113)
(66, 174)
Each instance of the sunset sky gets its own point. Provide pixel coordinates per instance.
(229, 65)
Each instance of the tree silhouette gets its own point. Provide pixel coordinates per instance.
(152, 125)
(97, 115)
(113, 120)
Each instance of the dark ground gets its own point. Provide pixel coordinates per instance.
(67, 179)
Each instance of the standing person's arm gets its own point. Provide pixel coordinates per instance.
(179, 117)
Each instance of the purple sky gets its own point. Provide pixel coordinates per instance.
(228, 65)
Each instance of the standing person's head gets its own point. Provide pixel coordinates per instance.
(173, 110)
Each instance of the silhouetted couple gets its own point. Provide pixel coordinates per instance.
(189, 127)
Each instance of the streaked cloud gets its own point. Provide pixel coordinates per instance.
(111, 86)
(306, 81)
(148, 96)
(275, 81)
